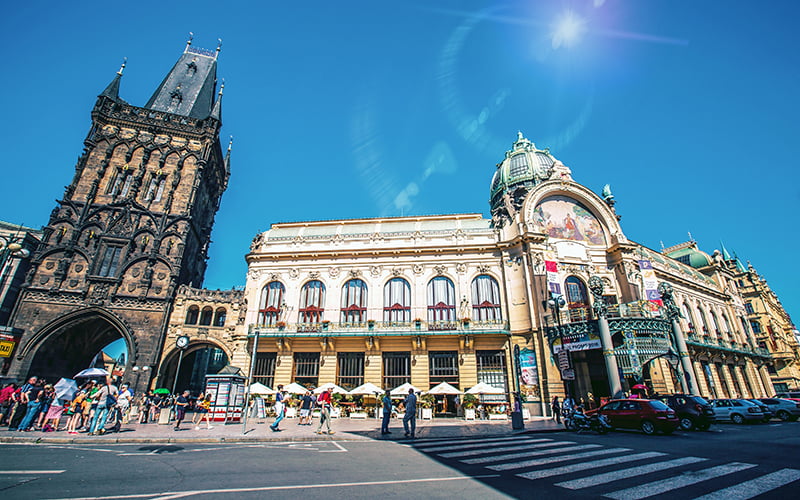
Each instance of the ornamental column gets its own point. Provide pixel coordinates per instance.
(601, 311)
(688, 381)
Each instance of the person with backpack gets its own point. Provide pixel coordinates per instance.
(106, 398)
(325, 405)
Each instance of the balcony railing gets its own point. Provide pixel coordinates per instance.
(716, 343)
(380, 328)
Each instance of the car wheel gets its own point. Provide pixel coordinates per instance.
(648, 427)
(737, 419)
(687, 424)
(784, 415)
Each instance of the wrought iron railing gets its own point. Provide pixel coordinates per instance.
(378, 328)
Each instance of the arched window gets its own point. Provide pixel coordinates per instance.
(206, 315)
(485, 299)
(703, 319)
(441, 300)
(192, 314)
(728, 330)
(354, 302)
(687, 313)
(577, 299)
(717, 329)
(397, 301)
(312, 300)
(269, 305)
(219, 317)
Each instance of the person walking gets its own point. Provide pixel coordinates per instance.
(7, 401)
(305, 409)
(410, 418)
(29, 396)
(180, 409)
(280, 409)
(106, 399)
(324, 402)
(387, 412)
(556, 407)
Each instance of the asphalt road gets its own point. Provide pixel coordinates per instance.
(728, 462)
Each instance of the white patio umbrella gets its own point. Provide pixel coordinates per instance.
(368, 389)
(92, 372)
(484, 388)
(444, 388)
(66, 388)
(330, 385)
(402, 390)
(258, 389)
(295, 388)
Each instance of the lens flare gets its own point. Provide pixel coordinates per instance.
(568, 30)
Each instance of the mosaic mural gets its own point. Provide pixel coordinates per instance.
(562, 217)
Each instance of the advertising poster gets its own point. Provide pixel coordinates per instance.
(528, 375)
(576, 341)
(650, 284)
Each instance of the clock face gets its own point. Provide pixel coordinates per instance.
(182, 341)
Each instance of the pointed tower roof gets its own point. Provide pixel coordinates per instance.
(112, 91)
(725, 254)
(217, 111)
(228, 157)
(189, 87)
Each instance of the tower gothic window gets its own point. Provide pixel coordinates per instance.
(192, 314)
(219, 317)
(126, 186)
(441, 300)
(397, 301)
(269, 307)
(109, 262)
(120, 184)
(155, 189)
(312, 300)
(485, 299)
(206, 315)
(354, 301)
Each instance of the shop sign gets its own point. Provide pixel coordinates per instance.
(568, 374)
(6, 348)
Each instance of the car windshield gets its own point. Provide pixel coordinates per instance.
(699, 400)
(658, 405)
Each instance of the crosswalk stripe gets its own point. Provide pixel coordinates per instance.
(566, 469)
(455, 445)
(679, 481)
(757, 486)
(528, 454)
(517, 447)
(552, 460)
(444, 441)
(597, 479)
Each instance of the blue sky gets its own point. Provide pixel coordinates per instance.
(372, 108)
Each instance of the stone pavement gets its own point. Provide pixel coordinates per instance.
(258, 431)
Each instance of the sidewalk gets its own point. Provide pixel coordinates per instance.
(258, 431)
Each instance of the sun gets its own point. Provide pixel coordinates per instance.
(568, 30)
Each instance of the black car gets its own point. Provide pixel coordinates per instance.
(766, 410)
(693, 412)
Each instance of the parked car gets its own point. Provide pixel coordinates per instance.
(768, 414)
(693, 412)
(737, 411)
(792, 396)
(649, 415)
(784, 409)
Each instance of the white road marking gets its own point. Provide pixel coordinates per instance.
(517, 447)
(538, 453)
(552, 460)
(458, 445)
(340, 450)
(179, 494)
(30, 472)
(754, 487)
(679, 481)
(566, 469)
(597, 479)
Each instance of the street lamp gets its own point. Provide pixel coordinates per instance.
(139, 370)
(182, 343)
(555, 303)
(11, 246)
(250, 380)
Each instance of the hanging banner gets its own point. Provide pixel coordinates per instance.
(575, 339)
(650, 284)
(528, 374)
(551, 267)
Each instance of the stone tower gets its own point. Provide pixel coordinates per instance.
(133, 225)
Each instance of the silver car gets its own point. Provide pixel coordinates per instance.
(737, 411)
(784, 409)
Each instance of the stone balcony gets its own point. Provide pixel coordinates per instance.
(380, 329)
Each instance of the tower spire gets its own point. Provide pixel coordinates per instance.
(112, 90)
(188, 89)
(217, 111)
(228, 157)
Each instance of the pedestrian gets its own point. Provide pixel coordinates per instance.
(7, 401)
(410, 418)
(197, 416)
(280, 409)
(181, 403)
(29, 397)
(204, 409)
(47, 397)
(124, 403)
(305, 409)
(75, 412)
(106, 399)
(325, 404)
(387, 412)
(556, 407)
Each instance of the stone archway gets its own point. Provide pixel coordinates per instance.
(69, 344)
(199, 359)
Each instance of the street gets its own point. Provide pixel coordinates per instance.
(727, 462)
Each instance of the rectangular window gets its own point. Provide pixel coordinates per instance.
(748, 307)
(491, 366)
(264, 370)
(306, 368)
(443, 367)
(126, 187)
(396, 369)
(351, 369)
(108, 265)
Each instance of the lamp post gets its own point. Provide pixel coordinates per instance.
(182, 343)
(139, 370)
(555, 303)
(250, 382)
(11, 246)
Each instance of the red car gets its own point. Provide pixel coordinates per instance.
(649, 415)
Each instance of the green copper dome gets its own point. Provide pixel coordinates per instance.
(691, 257)
(523, 167)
